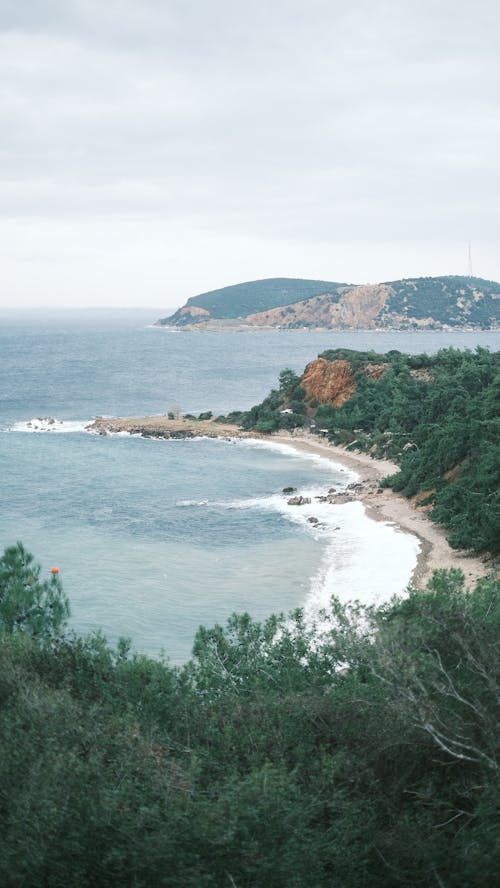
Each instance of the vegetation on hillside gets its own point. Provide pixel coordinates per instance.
(451, 299)
(437, 416)
(276, 757)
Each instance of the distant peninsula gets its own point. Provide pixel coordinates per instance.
(433, 303)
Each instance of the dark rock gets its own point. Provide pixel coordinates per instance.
(299, 501)
(289, 490)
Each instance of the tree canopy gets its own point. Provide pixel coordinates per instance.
(362, 752)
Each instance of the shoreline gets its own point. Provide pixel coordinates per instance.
(380, 504)
(394, 509)
(163, 427)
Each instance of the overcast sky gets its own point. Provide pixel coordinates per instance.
(154, 149)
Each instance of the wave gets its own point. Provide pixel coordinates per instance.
(289, 450)
(49, 424)
(363, 560)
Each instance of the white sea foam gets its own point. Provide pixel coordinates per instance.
(367, 561)
(50, 424)
(364, 560)
(291, 451)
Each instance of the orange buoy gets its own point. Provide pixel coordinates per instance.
(54, 570)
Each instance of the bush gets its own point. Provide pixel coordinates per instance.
(29, 604)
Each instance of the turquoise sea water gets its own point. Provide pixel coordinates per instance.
(155, 537)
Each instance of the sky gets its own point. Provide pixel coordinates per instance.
(154, 149)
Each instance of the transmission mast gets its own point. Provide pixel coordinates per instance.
(469, 261)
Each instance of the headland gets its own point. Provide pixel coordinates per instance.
(164, 427)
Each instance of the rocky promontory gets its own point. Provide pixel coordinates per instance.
(165, 427)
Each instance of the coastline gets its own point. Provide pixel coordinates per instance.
(380, 504)
(393, 508)
(163, 427)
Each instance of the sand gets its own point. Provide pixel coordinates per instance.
(394, 509)
(381, 505)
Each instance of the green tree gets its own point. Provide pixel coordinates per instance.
(28, 603)
(288, 380)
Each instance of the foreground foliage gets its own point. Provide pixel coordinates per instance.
(366, 754)
(28, 603)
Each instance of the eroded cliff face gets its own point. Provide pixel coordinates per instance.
(329, 382)
(194, 312)
(333, 382)
(359, 307)
(356, 307)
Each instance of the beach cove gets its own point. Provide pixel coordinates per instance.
(380, 504)
(155, 537)
(386, 505)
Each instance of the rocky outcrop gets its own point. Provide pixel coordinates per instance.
(328, 382)
(163, 427)
(333, 382)
(353, 492)
(194, 311)
(356, 307)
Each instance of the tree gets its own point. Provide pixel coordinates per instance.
(28, 603)
(288, 380)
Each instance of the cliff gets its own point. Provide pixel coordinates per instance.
(333, 382)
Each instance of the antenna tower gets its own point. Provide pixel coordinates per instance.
(469, 261)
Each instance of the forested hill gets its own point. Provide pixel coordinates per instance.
(240, 300)
(287, 303)
(437, 416)
(451, 300)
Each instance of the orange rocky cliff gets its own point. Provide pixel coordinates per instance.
(332, 382)
(329, 382)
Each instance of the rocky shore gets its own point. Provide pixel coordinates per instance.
(381, 504)
(163, 427)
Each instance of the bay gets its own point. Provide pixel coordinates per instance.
(154, 538)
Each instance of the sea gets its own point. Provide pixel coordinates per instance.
(154, 538)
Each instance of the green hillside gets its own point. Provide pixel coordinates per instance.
(247, 298)
(451, 299)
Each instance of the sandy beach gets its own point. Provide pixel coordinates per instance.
(381, 505)
(390, 507)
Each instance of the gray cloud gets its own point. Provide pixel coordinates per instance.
(278, 127)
